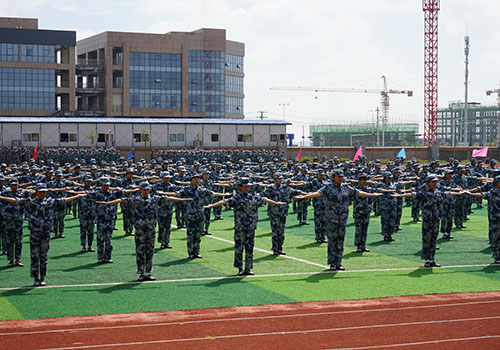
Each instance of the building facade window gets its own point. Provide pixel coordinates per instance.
(68, 137)
(117, 79)
(155, 80)
(234, 63)
(244, 138)
(234, 84)
(176, 137)
(234, 105)
(277, 137)
(9, 52)
(27, 89)
(38, 53)
(117, 56)
(206, 82)
(215, 138)
(31, 137)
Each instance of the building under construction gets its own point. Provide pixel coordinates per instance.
(364, 134)
(483, 125)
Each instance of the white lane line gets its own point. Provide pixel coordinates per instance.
(438, 341)
(272, 275)
(253, 318)
(270, 252)
(308, 331)
(265, 251)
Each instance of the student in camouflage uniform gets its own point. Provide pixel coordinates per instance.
(58, 190)
(129, 182)
(493, 197)
(337, 196)
(180, 208)
(86, 216)
(165, 210)
(361, 213)
(447, 184)
(318, 206)
(460, 181)
(245, 206)
(40, 210)
(432, 206)
(105, 219)
(195, 212)
(388, 204)
(278, 192)
(302, 205)
(13, 214)
(146, 213)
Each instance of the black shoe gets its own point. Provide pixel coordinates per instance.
(150, 278)
(61, 235)
(10, 264)
(162, 246)
(340, 267)
(42, 283)
(428, 264)
(305, 223)
(197, 256)
(115, 228)
(55, 237)
(281, 253)
(127, 234)
(276, 253)
(497, 262)
(248, 273)
(109, 261)
(141, 278)
(240, 272)
(323, 240)
(462, 226)
(416, 220)
(90, 249)
(19, 264)
(388, 239)
(435, 264)
(37, 283)
(398, 228)
(437, 248)
(448, 236)
(101, 261)
(333, 268)
(84, 250)
(361, 250)
(168, 246)
(466, 218)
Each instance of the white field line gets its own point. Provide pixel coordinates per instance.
(308, 331)
(254, 318)
(437, 341)
(272, 275)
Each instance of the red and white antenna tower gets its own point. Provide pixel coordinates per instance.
(431, 9)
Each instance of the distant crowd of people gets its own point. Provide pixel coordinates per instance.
(187, 185)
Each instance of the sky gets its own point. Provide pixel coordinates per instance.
(315, 43)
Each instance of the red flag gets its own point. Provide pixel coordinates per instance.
(298, 155)
(34, 153)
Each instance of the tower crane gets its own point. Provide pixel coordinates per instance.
(496, 91)
(384, 101)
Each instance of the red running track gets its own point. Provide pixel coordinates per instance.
(444, 321)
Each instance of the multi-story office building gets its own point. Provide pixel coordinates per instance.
(125, 89)
(178, 74)
(37, 69)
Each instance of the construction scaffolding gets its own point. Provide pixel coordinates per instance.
(481, 124)
(363, 134)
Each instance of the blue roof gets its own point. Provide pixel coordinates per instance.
(82, 120)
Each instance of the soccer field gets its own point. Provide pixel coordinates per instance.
(77, 285)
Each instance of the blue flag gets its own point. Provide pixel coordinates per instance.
(402, 154)
(131, 154)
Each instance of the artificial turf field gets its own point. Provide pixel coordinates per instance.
(78, 286)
